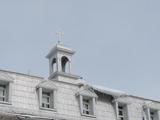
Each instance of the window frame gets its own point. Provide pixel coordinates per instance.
(153, 113)
(48, 99)
(121, 109)
(52, 103)
(8, 91)
(148, 110)
(3, 89)
(87, 102)
(124, 110)
(91, 105)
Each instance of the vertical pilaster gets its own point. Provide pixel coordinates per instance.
(10, 92)
(127, 112)
(93, 105)
(158, 115)
(116, 109)
(81, 103)
(50, 66)
(54, 99)
(69, 70)
(40, 97)
(59, 65)
(148, 116)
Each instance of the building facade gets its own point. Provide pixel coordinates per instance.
(65, 96)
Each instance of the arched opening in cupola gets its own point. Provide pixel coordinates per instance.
(65, 64)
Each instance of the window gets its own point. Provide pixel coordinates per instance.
(46, 99)
(3, 93)
(6, 82)
(47, 95)
(87, 101)
(154, 115)
(87, 106)
(150, 113)
(121, 112)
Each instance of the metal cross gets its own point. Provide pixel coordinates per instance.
(59, 34)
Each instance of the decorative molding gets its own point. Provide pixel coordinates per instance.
(87, 91)
(48, 84)
(92, 116)
(60, 48)
(48, 109)
(56, 74)
(5, 103)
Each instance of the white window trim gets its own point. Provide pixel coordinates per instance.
(49, 97)
(147, 110)
(152, 115)
(86, 104)
(8, 84)
(117, 104)
(93, 106)
(40, 90)
(122, 110)
(156, 113)
(3, 89)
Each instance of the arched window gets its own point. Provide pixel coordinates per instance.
(65, 64)
(54, 66)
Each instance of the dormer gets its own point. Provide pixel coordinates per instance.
(60, 61)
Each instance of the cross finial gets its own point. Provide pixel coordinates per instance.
(59, 34)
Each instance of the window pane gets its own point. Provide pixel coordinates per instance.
(120, 107)
(2, 92)
(121, 118)
(2, 99)
(48, 106)
(42, 104)
(87, 106)
(152, 114)
(121, 112)
(46, 99)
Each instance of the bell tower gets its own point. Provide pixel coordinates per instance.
(60, 62)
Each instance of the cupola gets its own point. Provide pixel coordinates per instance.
(60, 62)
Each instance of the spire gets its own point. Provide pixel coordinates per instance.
(60, 35)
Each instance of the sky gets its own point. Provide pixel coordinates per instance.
(117, 42)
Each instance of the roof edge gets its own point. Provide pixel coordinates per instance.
(14, 72)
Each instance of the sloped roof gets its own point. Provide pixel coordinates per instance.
(109, 91)
(105, 90)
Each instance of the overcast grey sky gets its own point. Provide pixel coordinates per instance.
(117, 41)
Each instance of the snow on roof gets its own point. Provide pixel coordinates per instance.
(102, 89)
(109, 91)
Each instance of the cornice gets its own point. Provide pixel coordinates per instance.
(63, 74)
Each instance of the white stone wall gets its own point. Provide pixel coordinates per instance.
(25, 101)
